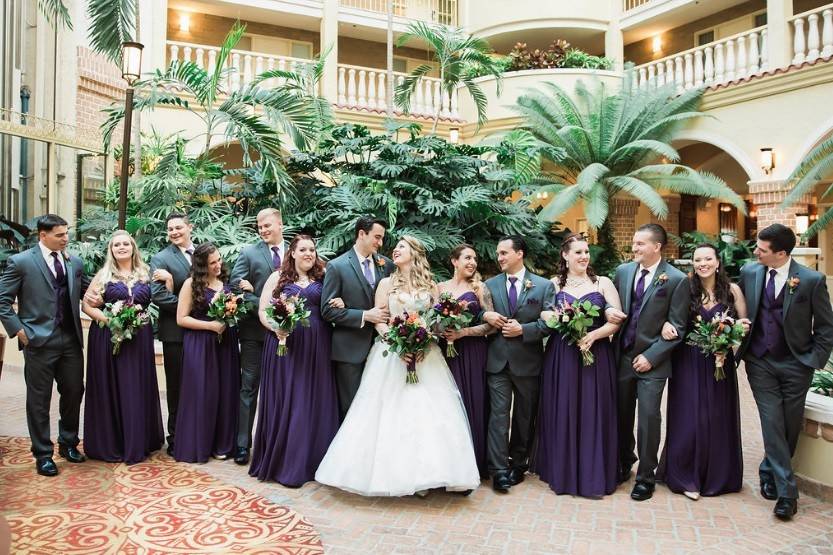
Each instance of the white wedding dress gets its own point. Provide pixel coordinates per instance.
(399, 438)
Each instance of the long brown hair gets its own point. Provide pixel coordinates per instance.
(288, 272)
(199, 272)
(562, 263)
(476, 281)
(722, 286)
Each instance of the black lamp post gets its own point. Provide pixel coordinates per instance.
(131, 70)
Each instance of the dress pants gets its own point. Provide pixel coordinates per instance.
(172, 356)
(504, 453)
(251, 353)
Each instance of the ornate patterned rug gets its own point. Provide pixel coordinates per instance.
(155, 507)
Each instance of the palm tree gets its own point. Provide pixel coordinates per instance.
(460, 58)
(56, 13)
(817, 166)
(610, 144)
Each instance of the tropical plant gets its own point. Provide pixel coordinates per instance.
(522, 58)
(816, 167)
(56, 13)
(732, 252)
(111, 23)
(612, 144)
(575, 58)
(443, 194)
(823, 380)
(458, 56)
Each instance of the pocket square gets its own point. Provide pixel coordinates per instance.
(533, 301)
(662, 293)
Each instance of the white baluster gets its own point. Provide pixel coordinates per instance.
(708, 66)
(742, 66)
(754, 55)
(688, 71)
(383, 92)
(362, 88)
(419, 101)
(351, 87)
(827, 34)
(438, 101)
(199, 58)
(235, 73)
(281, 67)
(186, 54)
(247, 69)
(660, 74)
(669, 71)
(719, 64)
(454, 99)
(652, 76)
(212, 60)
(643, 78)
(258, 65)
(429, 97)
(342, 87)
(399, 80)
(446, 104)
(698, 68)
(813, 37)
(371, 90)
(270, 66)
(799, 44)
(174, 52)
(764, 50)
(679, 73)
(730, 60)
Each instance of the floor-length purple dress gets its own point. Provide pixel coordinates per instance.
(469, 371)
(298, 412)
(577, 430)
(122, 418)
(206, 421)
(703, 450)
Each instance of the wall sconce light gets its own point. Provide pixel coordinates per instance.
(725, 207)
(753, 214)
(656, 44)
(184, 23)
(454, 135)
(542, 195)
(767, 160)
(802, 222)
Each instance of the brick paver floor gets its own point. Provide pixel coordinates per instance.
(530, 519)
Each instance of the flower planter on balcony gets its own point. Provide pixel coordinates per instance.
(813, 460)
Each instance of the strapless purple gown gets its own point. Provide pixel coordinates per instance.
(122, 418)
(577, 443)
(469, 371)
(703, 450)
(298, 413)
(206, 421)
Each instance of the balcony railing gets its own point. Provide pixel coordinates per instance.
(714, 63)
(435, 11)
(628, 5)
(808, 43)
(366, 88)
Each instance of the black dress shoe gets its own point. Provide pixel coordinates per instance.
(170, 449)
(768, 491)
(785, 508)
(46, 466)
(516, 476)
(642, 491)
(241, 456)
(71, 454)
(623, 475)
(501, 482)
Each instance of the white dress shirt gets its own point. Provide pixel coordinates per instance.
(782, 274)
(184, 251)
(361, 267)
(649, 277)
(519, 285)
(50, 262)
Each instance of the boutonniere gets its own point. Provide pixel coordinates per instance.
(528, 284)
(661, 279)
(792, 283)
(380, 262)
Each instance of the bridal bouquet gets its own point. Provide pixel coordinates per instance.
(408, 334)
(123, 320)
(284, 313)
(716, 337)
(449, 313)
(227, 307)
(572, 321)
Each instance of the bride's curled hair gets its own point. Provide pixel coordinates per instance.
(420, 277)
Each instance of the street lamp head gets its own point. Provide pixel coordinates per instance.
(131, 61)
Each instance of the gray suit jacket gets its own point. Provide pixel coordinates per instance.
(28, 278)
(662, 302)
(344, 278)
(255, 266)
(171, 259)
(523, 354)
(808, 318)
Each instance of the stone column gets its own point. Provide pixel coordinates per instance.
(614, 38)
(329, 40)
(623, 220)
(779, 36)
(767, 197)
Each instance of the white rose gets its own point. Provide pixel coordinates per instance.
(117, 306)
(565, 319)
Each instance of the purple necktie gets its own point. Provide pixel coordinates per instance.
(59, 270)
(276, 257)
(640, 289)
(368, 275)
(190, 252)
(770, 286)
(513, 294)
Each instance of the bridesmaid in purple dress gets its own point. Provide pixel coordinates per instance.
(702, 435)
(469, 366)
(207, 416)
(122, 418)
(576, 450)
(298, 413)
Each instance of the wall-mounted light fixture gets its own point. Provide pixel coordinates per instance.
(184, 22)
(454, 135)
(802, 222)
(656, 44)
(725, 207)
(767, 160)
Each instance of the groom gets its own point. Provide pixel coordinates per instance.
(353, 278)
(792, 334)
(514, 361)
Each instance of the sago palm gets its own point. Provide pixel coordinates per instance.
(816, 167)
(615, 143)
(459, 57)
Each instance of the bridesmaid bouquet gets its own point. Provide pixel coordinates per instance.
(227, 307)
(449, 313)
(408, 334)
(716, 337)
(572, 321)
(123, 320)
(284, 313)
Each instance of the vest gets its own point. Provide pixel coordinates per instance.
(768, 334)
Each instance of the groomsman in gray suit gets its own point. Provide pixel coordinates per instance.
(792, 334)
(251, 270)
(169, 268)
(652, 292)
(514, 361)
(48, 285)
(353, 278)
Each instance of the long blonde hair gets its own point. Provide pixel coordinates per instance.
(420, 277)
(108, 272)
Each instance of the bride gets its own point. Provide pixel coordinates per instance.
(399, 438)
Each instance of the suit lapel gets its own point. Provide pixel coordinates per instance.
(522, 293)
(651, 287)
(266, 252)
(757, 291)
(70, 274)
(354, 262)
(627, 289)
(41, 263)
(793, 271)
(179, 257)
